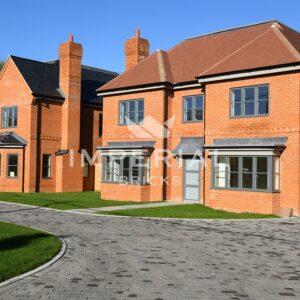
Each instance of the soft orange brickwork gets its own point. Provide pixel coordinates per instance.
(154, 107)
(136, 49)
(283, 120)
(48, 126)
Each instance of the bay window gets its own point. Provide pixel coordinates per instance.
(258, 173)
(126, 169)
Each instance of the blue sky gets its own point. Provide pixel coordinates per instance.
(35, 28)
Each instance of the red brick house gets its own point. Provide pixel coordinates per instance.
(49, 111)
(222, 109)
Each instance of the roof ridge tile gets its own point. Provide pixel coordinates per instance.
(278, 32)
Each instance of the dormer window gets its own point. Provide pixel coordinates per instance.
(9, 117)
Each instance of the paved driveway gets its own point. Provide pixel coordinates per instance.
(121, 258)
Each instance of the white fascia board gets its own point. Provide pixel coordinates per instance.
(249, 74)
(131, 90)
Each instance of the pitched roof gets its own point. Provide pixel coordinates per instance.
(250, 47)
(11, 139)
(43, 79)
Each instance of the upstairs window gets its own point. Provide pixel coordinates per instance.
(9, 117)
(131, 112)
(193, 108)
(46, 172)
(250, 101)
(12, 165)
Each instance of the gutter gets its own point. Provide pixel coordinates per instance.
(178, 86)
(132, 90)
(249, 74)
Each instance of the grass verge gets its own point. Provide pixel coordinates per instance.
(189, 211)
(23, 249)
(62, 200)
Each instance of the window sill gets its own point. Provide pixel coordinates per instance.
(244, 190)
(246, 117)
(191, 122)
(125, 183)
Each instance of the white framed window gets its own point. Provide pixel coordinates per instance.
(9, 117)
(46, 166)
(126, 169)
(12, 165)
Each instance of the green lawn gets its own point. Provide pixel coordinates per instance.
(23, 249)
(190, 211)
(62, 200)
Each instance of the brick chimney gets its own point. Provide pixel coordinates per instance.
(68, 168)
(136, 49)
(70, 55)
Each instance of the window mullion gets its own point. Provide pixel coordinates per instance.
(240, 176)
(254, 174)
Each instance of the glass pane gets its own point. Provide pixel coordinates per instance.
(123, 107)
(237, 95)
(262, 181)
(132, 105)
(116, 169)
(199, 102)
(188, 115)
(131, 117)
(108, 169)
(192, 179)
(220, 179)
(123, 119)
(141, 105)
(188, 103)
(126, 162)
(192, 165)
(237, 109)
(234, 164)
(135, 175)
(125, 171)
(125, 175)
(263, 93)
(262, 164)
(247, 181)
(247, 164)
(140, 116)
(234, 180)
(198, 115)
(249, 94)
(12, 160)
(12, 171)
(263, 107)
(249, 108)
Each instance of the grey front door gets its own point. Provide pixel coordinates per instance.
(191, 180)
